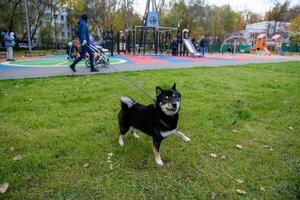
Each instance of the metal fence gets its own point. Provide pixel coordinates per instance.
(247, 48)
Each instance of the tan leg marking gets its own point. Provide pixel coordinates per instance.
(157, 156)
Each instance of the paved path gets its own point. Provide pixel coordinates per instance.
(133, 63)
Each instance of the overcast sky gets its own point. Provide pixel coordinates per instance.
(257, 6)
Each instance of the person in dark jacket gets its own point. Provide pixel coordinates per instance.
(174, 47)
(84, 39)
(202, 45)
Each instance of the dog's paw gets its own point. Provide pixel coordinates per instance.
(186, 139)
(121, 142)
(159, 162)
(135, 135)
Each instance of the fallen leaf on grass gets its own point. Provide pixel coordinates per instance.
(240, 180)
(223, 157)
(109, 154)
(3, 187)
(242, 192)
(17, 158)
(11, 149)
(111, 167)
(239, 146)
(213, 195)
(262, 189)
(29, 99)
(85, 165)
(291, 128)
(213, 155)
(234, 131)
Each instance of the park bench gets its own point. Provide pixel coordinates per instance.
(2, 54)
(57, 52)
(41, 53)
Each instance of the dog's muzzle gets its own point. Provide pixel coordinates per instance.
(170, 108)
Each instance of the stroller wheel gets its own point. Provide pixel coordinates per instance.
(87, 64)
(106, 65)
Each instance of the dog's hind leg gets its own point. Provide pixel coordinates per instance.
(156, 145)
(123, 131)
(183, 137)
(123, 126)
(121, 142)
(133, 133)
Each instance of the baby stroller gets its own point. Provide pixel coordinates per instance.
(100, 60)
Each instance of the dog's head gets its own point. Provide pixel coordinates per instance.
(168, 100)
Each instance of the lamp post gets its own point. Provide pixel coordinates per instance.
(27, 26)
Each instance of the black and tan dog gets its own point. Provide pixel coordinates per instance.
(158, 120)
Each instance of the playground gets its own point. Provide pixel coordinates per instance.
(59, 134)
(41, 66)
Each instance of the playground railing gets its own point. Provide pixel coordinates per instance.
(291, 48)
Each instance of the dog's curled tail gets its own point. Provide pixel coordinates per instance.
(126, 102)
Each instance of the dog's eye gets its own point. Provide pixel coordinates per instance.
(166, 98)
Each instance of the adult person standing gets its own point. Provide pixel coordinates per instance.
(202, 45)
(174, 47)
(9, 43)
(84, 39)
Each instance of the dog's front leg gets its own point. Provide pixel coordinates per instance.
(183, 137)
(156, 145)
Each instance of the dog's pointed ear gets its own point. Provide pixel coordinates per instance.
(158, 91)
(174, 86)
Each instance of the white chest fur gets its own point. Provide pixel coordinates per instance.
(168, 133)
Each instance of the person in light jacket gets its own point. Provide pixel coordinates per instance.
(9, 43)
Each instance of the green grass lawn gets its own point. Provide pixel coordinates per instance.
(59, 124)
(21, 52)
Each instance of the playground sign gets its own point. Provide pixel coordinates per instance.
(152, 19)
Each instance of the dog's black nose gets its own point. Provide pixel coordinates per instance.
(174, 105)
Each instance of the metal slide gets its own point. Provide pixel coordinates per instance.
(191, 48)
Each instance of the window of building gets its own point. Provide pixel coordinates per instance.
(63, 34)
(62, 18)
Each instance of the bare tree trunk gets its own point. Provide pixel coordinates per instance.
(11, 21)
(37, 25)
